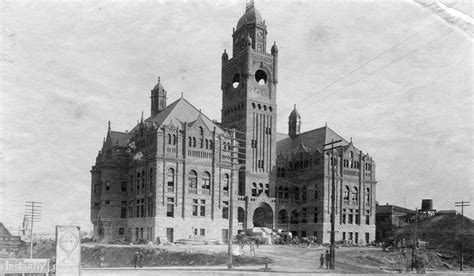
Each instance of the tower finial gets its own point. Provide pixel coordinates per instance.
(158, 78)
(142, 116)
(109, 125)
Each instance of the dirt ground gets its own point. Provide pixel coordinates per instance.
(280, 258)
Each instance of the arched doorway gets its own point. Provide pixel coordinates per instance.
(263, 216)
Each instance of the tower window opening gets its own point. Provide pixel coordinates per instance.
(236, 80)
(261, 77)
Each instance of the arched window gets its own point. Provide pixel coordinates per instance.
(346, 193)
(297, 193)
(201, 131)
(192, 180)
(170, 180)
(225, 184)
(207, 144)
(286, 193)
(190, 142)
(280, 192)
(169, 139)
(260, 188)
(304, 193)
(283, 217)
(206, 182)
(351, 161)
(254, 189)
(210, 144)
(175, 140)
(201, 143)
(355, 194)
(316, 194)
(367, 196)
(294, 217)
(143, 180)
(194, 142)
(267, 189)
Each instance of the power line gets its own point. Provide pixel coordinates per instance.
(361, 66)
(383, 67)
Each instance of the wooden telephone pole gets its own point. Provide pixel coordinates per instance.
(333, 201)
(32, 214)
(462, 204)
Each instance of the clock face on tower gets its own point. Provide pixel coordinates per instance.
(260, 34)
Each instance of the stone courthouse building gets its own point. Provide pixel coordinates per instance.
(173, 175)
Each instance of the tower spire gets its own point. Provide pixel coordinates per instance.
(250, 4)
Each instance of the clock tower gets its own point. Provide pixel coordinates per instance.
(248, 86)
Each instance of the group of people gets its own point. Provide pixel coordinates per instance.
(325, 259)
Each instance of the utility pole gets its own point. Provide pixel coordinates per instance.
(333, 202)
(231, 204)
(462, 204)
(414, 239)
(237, 154)
(33, 214)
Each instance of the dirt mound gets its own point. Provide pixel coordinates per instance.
(443, 232)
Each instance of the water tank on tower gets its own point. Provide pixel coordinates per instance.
(426, 204)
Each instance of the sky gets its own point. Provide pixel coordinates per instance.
(396, 77)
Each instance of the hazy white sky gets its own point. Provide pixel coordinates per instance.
(394, 76)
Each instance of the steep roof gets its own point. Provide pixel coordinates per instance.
(119, 138)
(182, 111)
(4, 231)
(314, 139)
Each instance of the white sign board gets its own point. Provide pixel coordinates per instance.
(8, 266)
(68, 250)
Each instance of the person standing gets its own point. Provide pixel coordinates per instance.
(321, 261)
(135, 259)
(328, 258)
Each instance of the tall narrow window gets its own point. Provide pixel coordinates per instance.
(367, 196)
(225, 185)
(254, 189)
(202, 208)
(192, 181)
(260, 188)
(107, 185)
(355, 194)
(152, 186)
(170, 182)
(346, 193)
(304, 194)
(170, 207)
(286, 193)
(169, 139)
(297, 193)
(225, 210)
(267, 189)
(206, 183)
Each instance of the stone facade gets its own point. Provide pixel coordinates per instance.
(174, 174)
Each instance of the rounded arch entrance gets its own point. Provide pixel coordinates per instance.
(263, 216)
